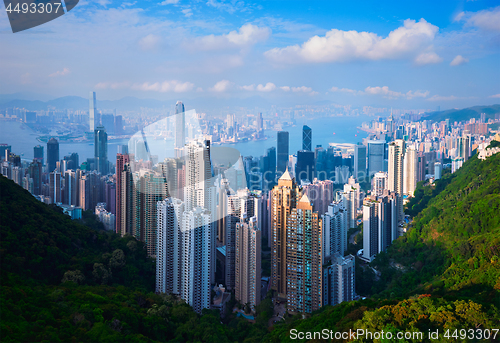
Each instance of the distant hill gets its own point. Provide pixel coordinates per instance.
(463, 114)
(201, 103)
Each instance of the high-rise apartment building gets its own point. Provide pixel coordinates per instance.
(335, 228)
(71, 183)
(283, 199)
(339, 280)
(197, 258)
(248, 262)
(320, 193)
(304, 258)
(150, 188)
(121, 160)
(395, 172)
(410, 171)
(380, 223)
(55, 186)
(379, 183)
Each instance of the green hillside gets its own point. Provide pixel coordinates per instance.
(464, 113)
(62, 281)
(443, 274)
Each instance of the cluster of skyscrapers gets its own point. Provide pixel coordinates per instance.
(207, 222)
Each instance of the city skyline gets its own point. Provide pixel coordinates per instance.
(391, 54)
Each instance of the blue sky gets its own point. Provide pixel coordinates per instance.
(390, 53)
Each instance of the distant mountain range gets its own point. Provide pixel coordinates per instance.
(38, 102)
(464, 113)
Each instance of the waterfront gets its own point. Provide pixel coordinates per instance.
(23, 139)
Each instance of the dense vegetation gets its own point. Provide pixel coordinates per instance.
(62, 281)
(464, 113)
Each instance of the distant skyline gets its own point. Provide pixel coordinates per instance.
(406, 55)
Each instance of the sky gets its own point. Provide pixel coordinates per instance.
(418, 54)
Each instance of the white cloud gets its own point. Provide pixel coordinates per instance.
(427, 58)
(488, 20)
(285, 88)
(247, 35)
(343, 90)
(495, 96)
(341, 46)
(169, 2)
(248, 88)
(221, 86)
(149, 42)
(389, 94)
(187, 12)
(384, 91)
(113, 85)
(267, 88)
(302, 89)
(63, 72)
(103, 3)
(443, 98)
(230, 6)
(164, 87)
(458, 60)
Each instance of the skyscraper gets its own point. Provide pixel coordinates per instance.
(380, 223)
(150, 188)
(335, 227)
(395, 173)
(198, 258)
(101, 150)
(70, 188)
(52, 154)
(304, 258)
(35, 173)
(360, 161)
(379, 183)
(410, 171)
(260, 123)
(376, 151)
(306, 138)
(169, 246)
(305, 169)
(38, 153)
(121, 160)
(339, 280)
(283, 145)
(92, 112)
(438, 169)
(269, 168)
(55, 187)
(180, 125)
(283, 199)
(108, 122)
(247, 263)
